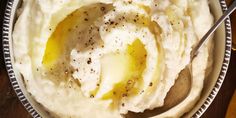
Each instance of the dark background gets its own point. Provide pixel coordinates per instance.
(10, 106)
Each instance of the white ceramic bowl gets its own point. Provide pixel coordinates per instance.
(212, 84)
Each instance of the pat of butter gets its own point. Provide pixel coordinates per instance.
(115, 69)
(121, 74)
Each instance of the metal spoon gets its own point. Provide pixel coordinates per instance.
(185, 76)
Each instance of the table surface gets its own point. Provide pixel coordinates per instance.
(10, 106)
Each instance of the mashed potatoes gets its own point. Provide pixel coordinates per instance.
(104, 58)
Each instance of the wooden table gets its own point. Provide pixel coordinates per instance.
(10, 106)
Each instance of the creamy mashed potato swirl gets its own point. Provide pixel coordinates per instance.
(109, 56)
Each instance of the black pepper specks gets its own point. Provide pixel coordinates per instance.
(102, 8)
(150, 84)
(124, 95)
(86, 19)
(92, 70)
(77, 70)
(142, 92)
(123, 104)
(91, 96)
(112, 22)
(86, 13)
(89, 61)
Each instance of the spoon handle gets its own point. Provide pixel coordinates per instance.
(213, 28)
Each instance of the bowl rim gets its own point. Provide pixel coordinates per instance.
(25, 102)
